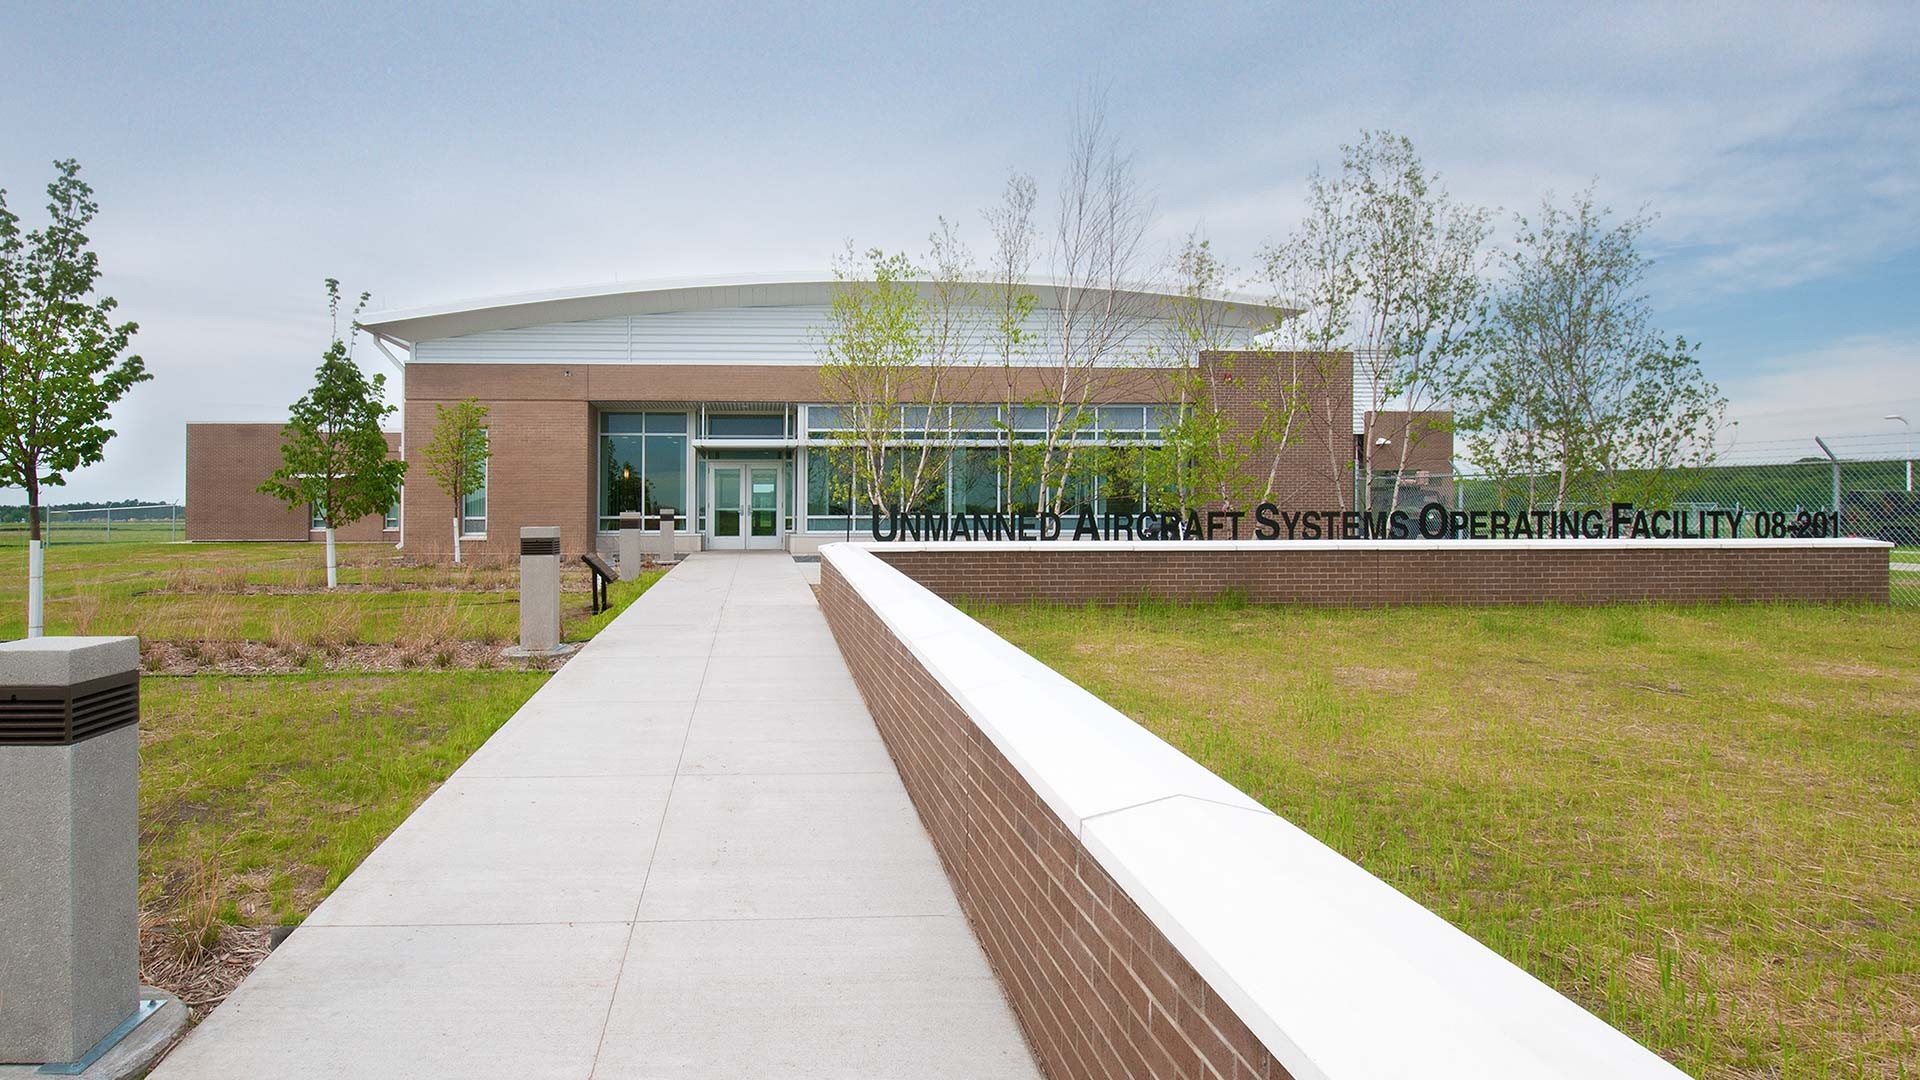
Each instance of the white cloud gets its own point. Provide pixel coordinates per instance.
(1842, 389)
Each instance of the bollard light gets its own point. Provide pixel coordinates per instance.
(69, 866)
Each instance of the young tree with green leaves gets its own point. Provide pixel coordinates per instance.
(1581, 400)
(334, 457)
(61, 368)
(1386, 268)
(882, 365)
(1009, 294)
(1207, 454)
(456, 456)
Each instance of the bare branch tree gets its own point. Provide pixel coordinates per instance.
(1011, 298)
(1100, 304)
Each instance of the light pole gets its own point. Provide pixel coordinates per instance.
(1909, 427)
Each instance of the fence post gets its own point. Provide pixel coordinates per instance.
(1836, 472)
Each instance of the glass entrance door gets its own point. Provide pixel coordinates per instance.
(746, 506)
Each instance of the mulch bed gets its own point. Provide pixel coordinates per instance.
(167, 657)
(205, 980)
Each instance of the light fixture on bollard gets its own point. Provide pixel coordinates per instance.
(629, 547)
(539, 595)
(70, 993)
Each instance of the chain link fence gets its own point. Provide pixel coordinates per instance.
(150, 523)
(1841, 486)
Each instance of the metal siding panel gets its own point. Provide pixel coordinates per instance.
(785, 334)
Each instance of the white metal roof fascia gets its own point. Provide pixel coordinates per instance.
(575, 304)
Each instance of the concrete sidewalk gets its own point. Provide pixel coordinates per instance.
(688, 855)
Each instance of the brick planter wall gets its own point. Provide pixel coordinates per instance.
(1350, 574)
(1099, 989)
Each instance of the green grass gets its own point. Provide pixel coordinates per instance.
(258, 795)
(273, 592)
(1701, 823)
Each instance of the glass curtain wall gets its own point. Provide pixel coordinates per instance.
(1107, 474)
(643, 466)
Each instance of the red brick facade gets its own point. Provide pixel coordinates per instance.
(1099, 990)
(1314, 466)
(1404, 572)
(227, 463)
(542, 469)
(543, 464)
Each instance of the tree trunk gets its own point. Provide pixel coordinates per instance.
(332, 575)
(456, 539)
(36, 558)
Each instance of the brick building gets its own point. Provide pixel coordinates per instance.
(707, 398)
(227, 463)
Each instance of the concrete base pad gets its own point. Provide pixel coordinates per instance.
(134, 1054)
(515, 652)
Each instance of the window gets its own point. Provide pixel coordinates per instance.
(317, 517)
(1111, 448)
(473, 511)
(976, 480)
(391, 522)
(746, 425)
(643, 466)
(829, 502)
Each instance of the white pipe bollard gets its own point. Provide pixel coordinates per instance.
(36, 588)
(629, 545)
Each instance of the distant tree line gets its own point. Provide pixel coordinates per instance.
(17, 514)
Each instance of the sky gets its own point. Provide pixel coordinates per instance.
(242, 154)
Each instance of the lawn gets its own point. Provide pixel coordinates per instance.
(1701, 823)
(275, 592)
(259, 793)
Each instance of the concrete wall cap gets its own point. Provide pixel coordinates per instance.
(63, 661)
(1317, 956)
(540, 532)
(1409, 546)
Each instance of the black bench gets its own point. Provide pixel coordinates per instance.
(602, 574)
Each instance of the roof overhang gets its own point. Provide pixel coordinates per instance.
(408, 325)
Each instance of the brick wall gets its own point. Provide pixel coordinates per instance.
(226, 464)
(1314, 465)
(544, 445)
(1099, 990)
(540, 467)
(1401, 572)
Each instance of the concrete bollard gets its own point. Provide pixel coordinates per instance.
(69, 866)
(539, 590)
(629, 550)
(665, 554)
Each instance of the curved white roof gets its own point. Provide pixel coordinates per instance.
(581, 303)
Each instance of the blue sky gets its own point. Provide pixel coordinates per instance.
(243, 153)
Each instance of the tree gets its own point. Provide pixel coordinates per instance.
(456, 456)
(1206, 453)
(334, 457)
(1101, 305)
(881, 364)
(1581, 398)
(1387, 269)
(1011, 300)
(61, 368)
